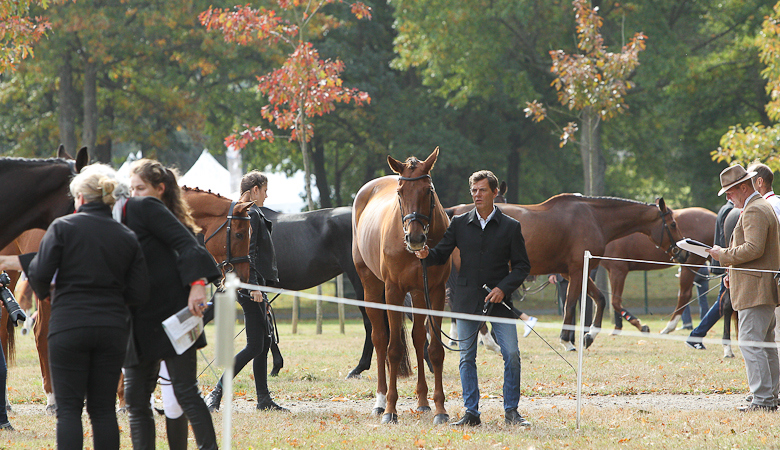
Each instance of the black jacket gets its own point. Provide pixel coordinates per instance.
(174, 259)
(99, 270)
(262, 257)
(486, 256)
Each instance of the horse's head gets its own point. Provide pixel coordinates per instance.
(225, 225)
(416, 198)
(668, 233)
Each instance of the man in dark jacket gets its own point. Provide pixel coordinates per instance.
(490, 242)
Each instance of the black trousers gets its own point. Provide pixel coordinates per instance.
(86, 363)
(258, 342)
(140, 382)
(3, 380)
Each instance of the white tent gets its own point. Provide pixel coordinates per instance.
(209, 175)
(284, 194)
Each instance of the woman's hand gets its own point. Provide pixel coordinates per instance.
(10, 263)
(197, 300)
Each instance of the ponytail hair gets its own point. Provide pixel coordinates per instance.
(154, 173)
(97, 183)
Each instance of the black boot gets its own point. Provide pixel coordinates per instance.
(214, 399)
(265, 403)
(177, 430)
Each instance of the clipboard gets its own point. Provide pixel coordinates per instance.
(694, 246)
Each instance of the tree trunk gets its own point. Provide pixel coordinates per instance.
(90, 126)
(68, 110)
(305, 153)
(512, 176)
(321, 176)
(593, 164)
(103, 148)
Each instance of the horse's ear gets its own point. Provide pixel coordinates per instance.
(396, 165)
(61, 153)
(243, 206)
(661, 204)
(502, 188)
(431, 160)
(82, 159)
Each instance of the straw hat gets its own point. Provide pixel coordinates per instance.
(732, 176)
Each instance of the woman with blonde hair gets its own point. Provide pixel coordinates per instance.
(100, 271)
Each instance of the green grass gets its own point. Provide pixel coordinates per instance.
(333, 413)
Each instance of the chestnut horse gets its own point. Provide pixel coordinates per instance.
(211, 212)
(694, 223)
(558, 231)
(392, 217)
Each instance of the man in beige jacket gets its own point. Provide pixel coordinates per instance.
(755, 245)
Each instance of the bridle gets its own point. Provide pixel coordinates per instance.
(416, 216)
(673, 250)
(228, 264)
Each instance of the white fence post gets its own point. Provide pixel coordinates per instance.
(225, 320)
(580, 343)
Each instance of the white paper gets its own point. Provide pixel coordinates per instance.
(183, 329)
(693, 246)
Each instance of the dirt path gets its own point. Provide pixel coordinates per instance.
(647, 402)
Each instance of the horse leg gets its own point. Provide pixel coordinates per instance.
(683, 297)
(419, 340)
(572, 298)
(488, 340)
(601, 303)
(41, 332)
(453, 332)
(397, 352)
(368, 347)
(436, 355)
(373, 290)
(727, 313)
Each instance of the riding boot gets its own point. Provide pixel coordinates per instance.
(177, 430)
(266, 403)
(214, 399)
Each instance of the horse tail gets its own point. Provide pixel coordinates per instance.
(10, 347)
(405, 366)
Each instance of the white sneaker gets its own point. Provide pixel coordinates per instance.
(529, 325)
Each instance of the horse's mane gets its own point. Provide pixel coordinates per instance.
(580, 197)
(412, 162)
(32, 161)
(201, 191)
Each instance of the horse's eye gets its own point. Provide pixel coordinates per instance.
(239, 235)
(674, 225)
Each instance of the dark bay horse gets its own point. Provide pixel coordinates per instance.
(392, 217)
(211, 212)
(558, 231)
(40, 190)
(694, 223)
(313, 247)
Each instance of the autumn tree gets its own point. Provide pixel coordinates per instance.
(759, 140)
(593, 83)
(19, 31)
(304, 86)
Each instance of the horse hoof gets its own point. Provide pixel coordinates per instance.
(568, 346)
(645, 329)
(389, 418)
(727, 353)
(123, 410)
(275, 372)
(423, 409)
(616, 332)
(354, 373)
(51, 410)
(588, 340)
(379, 411)
(440, 419)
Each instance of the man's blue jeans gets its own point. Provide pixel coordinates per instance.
(711, 318)
(506, 337)
(704, 286)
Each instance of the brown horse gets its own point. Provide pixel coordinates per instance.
(392, 217)
(559, 231)
(211, 212)
(695, 223)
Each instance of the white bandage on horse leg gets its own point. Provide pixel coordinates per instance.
(489, 342)
(453, 332)
(381, 401)
(170, 404)
(672, 325)
(593, 331)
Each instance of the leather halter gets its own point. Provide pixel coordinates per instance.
(227, 264)
(416, 216)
